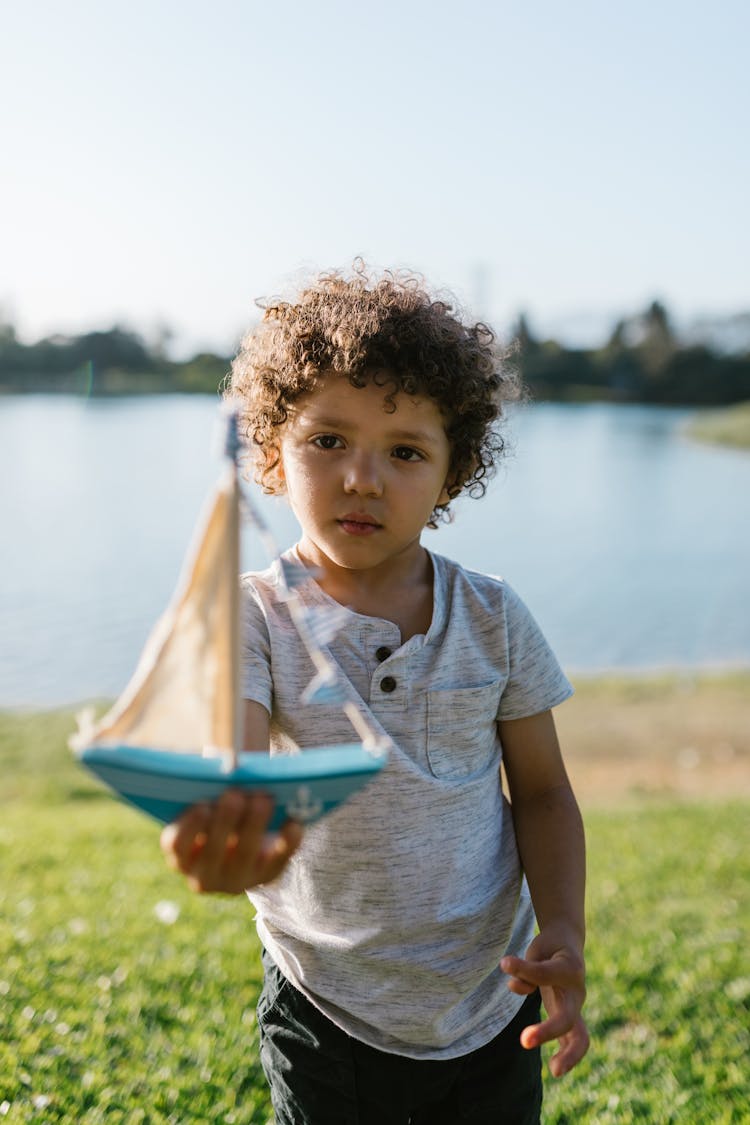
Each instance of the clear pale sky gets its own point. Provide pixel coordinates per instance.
(168, 161)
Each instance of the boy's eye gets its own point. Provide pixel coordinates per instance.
(406, 453)
(327, 441)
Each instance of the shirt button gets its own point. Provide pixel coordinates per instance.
(388, 683)
(382, 653)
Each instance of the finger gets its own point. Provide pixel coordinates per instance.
(554, 1027)
(226, 817)
(563, 1008)
(521, 987)
(251, 830)
(279, 851)
(573, 1047)
(556, 972)
(182, 839)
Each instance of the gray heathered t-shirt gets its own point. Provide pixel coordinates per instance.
(394, 914)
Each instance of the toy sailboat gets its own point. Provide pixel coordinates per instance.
(174, 736)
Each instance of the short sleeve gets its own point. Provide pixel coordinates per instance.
(536, 682)
(255, 652)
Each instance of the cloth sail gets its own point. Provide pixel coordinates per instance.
(185, 693)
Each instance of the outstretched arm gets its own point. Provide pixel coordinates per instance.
(550, 838)
(224, 846)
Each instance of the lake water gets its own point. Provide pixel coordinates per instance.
(630, 543)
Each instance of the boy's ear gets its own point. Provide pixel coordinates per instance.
(451, 484)
(445, 496)
(455, 481)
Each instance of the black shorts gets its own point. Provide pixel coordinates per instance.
(319, 1075)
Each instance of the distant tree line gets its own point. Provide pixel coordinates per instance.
(117, 361)
(642, 361)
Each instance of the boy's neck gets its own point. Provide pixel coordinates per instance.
(400, 591)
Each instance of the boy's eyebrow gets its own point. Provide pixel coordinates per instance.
(329, 421)
(416, 437)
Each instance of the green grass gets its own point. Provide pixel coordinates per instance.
(669, 976)
(112, 1012)
(729, 425)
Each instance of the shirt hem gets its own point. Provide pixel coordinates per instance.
(479, 1037)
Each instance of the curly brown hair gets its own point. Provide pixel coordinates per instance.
(388, 328)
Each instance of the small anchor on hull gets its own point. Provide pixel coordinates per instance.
(304, 806)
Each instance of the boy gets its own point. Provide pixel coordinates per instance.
(402, 975)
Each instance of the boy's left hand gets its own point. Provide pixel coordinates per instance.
(558, 972)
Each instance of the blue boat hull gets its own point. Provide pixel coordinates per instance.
(303, 786)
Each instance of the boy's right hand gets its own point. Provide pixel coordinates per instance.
(223, 847)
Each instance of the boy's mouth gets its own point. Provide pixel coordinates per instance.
(358, 523)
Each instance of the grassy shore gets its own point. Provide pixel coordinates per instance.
(729, 425)
(127, 999)
(628, 739)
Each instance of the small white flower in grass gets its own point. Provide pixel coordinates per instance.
(104, 983)
(77, 926)
(167, 912)
(4, 1107)
(62, 1028)
(739, 989)
(40, 1101)
(28, 1012)
(4, 988)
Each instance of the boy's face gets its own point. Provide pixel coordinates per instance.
(362, 481)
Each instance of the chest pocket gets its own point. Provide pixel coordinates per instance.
(462, 731)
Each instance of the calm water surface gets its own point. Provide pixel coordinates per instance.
(630, 543)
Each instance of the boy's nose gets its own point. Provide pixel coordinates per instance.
(363, 477)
